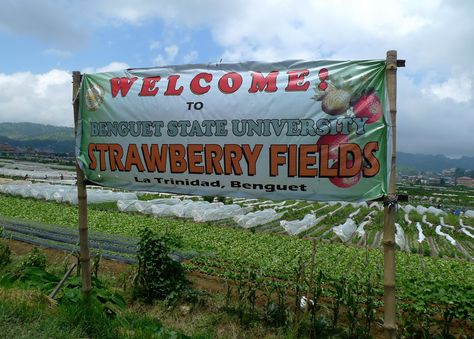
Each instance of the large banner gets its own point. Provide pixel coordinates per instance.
(313, 130)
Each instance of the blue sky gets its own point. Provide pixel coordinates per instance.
(42, 41)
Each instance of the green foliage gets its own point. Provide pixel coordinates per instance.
(24, 320)
(5, 254)
(88, 316)
(208, 198)
(36, 258)
(158, 275)
(31, 277)
(21, 320)
(221, 199)
(110, 303)
(226, 251)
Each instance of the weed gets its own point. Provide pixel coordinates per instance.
(158, 276)
(36, 258)
(5, 254)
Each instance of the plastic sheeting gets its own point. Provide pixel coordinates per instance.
(253, 219)
(337, 209)
(433, 210)
(198, 210)
(441, 221)
(360, 229)
(466, 232)
(41, 173)
(436, 211)
(408, 208)
(400, 236)
(295, 227)
(189, 208)
(353, 214)
(218, 212)
(345, 230)
(425, 221)
(376, 205)
(63, 193)
(278, 208)
(447, 236)
(423, 210)
(421, 236)
(407, 219)
(144, 206)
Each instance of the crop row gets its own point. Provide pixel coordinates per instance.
(274, 255)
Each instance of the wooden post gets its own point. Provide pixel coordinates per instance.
(84, 254)
(63, 280)
(390, 308)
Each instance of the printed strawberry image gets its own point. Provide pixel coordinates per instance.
(345, 182)
(368, 106)
(333, 141)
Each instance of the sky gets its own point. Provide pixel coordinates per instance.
(43, 41)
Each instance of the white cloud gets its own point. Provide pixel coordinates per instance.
(457, 89)
(428, 125)
(57, 52)
(190, 57)
(159, 60)
(113, 66)
(171, 52)
(49, 21)
(41, 98)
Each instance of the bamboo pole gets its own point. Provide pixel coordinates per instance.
(84, 254)
(390, 307)
(63, 280)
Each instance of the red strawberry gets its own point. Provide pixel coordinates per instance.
(368, 106)
(333, 141)
(345, 182)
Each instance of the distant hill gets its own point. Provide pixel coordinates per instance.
(29, 131)
(45, 138)
(433, 163)
(61, 140)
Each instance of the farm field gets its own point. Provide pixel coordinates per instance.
(225, 250)
(420, 227)
(324, 251)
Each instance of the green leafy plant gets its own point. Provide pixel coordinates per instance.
(5, 254)
(158, 276)
(208, 198)
(36, 258)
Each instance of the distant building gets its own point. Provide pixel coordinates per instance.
(465, 181)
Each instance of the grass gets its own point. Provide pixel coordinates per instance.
(26, 312)
(22, 318)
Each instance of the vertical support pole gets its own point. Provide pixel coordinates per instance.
(84, 254)
(390, 308)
